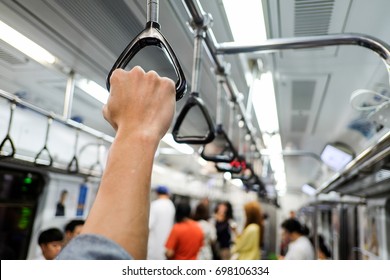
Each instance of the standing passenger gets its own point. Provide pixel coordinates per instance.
(299, 247)
(161, 219)
(209, 233)
(186, 237)
(247, 244)
(223, 219)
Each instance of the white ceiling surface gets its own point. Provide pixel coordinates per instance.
(313, 87)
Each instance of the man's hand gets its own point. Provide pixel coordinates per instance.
(140, 102)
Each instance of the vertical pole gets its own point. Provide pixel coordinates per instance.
(152, 11)
(195, 81)
(69, 92)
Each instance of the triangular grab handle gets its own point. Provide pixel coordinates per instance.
(228, 154)
(193, 101)
(151, 36)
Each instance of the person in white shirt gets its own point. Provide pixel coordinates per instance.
(300, 247)
(161, 220)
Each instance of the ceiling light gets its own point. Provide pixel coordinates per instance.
(183, 148)
(263, 100)
(246, 20)
(93, 89)
(25, 45)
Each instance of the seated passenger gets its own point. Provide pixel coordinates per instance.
(72, 229)
(51, 241)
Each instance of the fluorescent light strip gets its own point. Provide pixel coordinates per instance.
(93, 89)
(246, 20)
(25, 45)
(264, 103)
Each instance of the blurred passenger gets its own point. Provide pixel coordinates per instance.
(223, 224)
(323, 251)
(209, 233)
(299, 247)
(186, 237)
(72, 229)
(285, 239)
(161, 219)
(51, 242)
(247, 244)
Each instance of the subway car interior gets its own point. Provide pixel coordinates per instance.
(283, 102)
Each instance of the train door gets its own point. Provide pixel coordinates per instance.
(375, 227)
(20, 193)
(345, 232)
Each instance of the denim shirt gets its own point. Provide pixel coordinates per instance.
(93, 247)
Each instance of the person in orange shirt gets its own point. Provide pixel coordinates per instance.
(186, 236)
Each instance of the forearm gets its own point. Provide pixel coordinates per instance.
(126, 178)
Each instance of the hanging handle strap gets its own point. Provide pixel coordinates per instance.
(194, 101)
(8, 135)
(73, 165)
(234, 167)
(229, 152)
(98, 163)
(151, 36)
(37, 160)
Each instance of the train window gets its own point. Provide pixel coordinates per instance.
(19, 186)
(19, 193)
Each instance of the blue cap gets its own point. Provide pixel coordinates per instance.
(162, 190)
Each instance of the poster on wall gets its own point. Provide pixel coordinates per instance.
(66, 200)
(82, 200)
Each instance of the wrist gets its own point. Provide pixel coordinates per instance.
(144, 137)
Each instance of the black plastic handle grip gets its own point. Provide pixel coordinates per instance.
(193, 101)
(151, 36)
(228, 154)
(37, 157)
(73, 165)
(12, 153)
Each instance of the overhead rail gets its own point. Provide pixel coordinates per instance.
(365, 160)
(368, 157)
(12, 98)
(73, 166)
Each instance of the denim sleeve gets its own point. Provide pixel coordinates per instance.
(93, 247)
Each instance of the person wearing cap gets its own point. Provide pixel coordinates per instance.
(161, 220)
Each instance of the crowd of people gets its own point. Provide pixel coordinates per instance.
(182, 233)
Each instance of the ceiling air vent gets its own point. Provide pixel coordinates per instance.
(312, 17)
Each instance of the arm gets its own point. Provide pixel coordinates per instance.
(140, 108)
